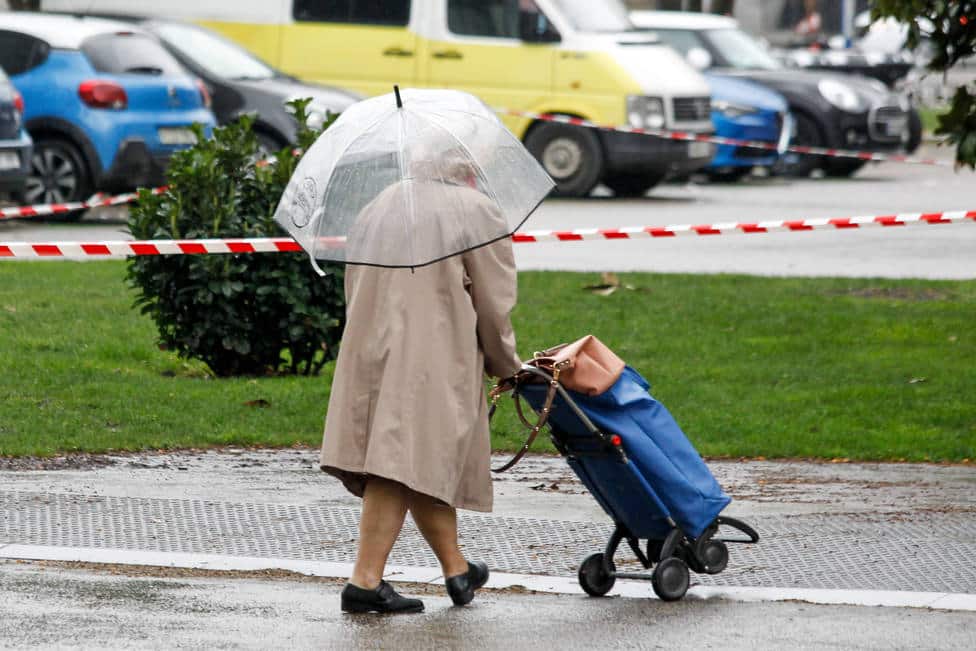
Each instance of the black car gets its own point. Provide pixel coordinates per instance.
(239, 82)
(15, 144)
(829, 110)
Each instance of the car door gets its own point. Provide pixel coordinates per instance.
(363, 45)
(479, 50)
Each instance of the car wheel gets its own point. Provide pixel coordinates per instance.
(809, 134)
(571, 155)
(914, 131)
(57, 175)
(632, 185)
(841, 167)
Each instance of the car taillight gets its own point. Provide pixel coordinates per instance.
(204, 93)
(19, 102)
(97, 93)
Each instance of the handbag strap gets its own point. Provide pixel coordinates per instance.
(533, 429)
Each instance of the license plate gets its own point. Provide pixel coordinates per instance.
(698, 149)
(177, 136)
(9, 160)
(894, 127)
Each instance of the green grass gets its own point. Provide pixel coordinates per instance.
(858, 369)
(930, 117)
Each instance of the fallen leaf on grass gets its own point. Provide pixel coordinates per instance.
(260, 402)
(610, 284)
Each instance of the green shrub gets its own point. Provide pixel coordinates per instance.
(244, 314)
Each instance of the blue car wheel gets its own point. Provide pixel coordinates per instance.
(57, 175)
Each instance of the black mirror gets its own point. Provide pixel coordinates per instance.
(534, 27)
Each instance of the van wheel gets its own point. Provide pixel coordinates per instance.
(632, 185)
(57, 175)
(572, 156)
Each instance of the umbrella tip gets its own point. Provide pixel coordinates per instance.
(396, 91)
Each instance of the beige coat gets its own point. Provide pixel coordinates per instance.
(408, 398)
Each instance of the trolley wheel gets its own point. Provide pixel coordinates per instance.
(593, 578)
(670, 579)
(715, 555)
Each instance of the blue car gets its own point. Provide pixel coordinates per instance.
(747, 111)
(105, 103)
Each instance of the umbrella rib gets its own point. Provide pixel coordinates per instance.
(403, 178)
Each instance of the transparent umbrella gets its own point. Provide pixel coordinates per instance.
(407, 182)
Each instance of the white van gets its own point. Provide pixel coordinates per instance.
(571, 57)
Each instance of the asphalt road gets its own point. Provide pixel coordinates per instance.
(51, 606)
(943, 251)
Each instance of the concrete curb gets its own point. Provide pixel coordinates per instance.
(498, 580)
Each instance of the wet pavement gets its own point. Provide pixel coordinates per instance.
(51, 606)
(908, 527)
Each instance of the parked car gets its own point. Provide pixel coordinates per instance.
(239, 82)
(106, 104)
(830, 110)
(569, 57)
(15, 143)
(745, 110)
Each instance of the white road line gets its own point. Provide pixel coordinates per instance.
(498, 580)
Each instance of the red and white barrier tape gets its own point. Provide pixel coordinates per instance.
(96, 201)
(720, 140)
(282, 244)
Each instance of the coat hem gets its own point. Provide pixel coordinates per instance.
(354, 480)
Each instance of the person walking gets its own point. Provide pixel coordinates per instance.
(419, 199)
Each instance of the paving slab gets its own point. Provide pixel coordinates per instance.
(907, 527)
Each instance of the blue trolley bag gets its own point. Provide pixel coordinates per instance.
(657, 449)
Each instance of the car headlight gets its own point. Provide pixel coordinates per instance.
(731, 109)
(645, 111)
(841, 95)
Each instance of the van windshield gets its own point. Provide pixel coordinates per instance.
(589, 16)
(208, 51)
(739, 50)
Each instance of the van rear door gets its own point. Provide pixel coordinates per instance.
(363, 45)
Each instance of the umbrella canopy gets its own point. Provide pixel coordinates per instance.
(406, 183)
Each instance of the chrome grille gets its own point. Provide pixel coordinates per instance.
(887, 123)
(692, 109)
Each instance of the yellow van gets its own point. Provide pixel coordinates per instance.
(572, 57)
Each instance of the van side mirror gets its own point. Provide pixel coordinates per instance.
(534, 27)
(699, 58)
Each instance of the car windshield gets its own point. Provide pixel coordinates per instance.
(212, 53)
(739, 50)
(589, 16)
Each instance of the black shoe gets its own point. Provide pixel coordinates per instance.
(461, 587)
(384, 599)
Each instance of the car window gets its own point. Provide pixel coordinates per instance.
(215, 55)
(492, 18)
(365, 12)
(681, 41)
(20, 52)
(128, 52)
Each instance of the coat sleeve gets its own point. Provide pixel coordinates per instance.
(494, 291)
